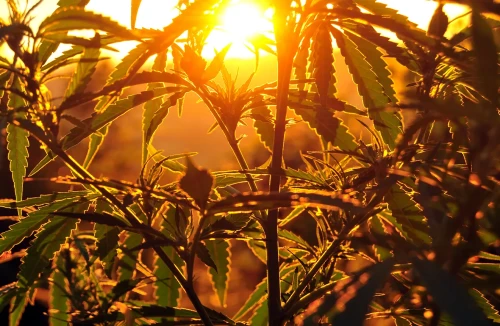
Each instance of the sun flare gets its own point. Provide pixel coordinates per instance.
(238, 24)
(242, 20)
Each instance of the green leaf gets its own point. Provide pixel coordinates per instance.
(26, 226)
(223, 180)
(377, 228)
(107, 242)
(322, 68)
(122, 287)
(170, 162)
(263, 124)
(204, 255)
(42, 249)
(466, 32)
(133, 12)
(356, 308)
(44, 199)
(260, 291)
(160, 114)
(327, 126)
(292, 215)
(17, 145)
(290, 236)
(215, 66)
(7, 292)
(406, 216)
(122, 68)
(488, 309)
(379, 66)
(17, 307)
(85, 69)
(99, 120)
(449, 294)
(127, 259)
(197, 183)
(167, 288)
(487, 255)
(301, 61)
(151, 107)
(96, 140)
(58, 304)
(485, 50)
(374, 98)
(353, 311)
(77, 18)
(253, 300)
(392, 48)
(260, 317)
(63, 59)
(220, 253)
(379, 8)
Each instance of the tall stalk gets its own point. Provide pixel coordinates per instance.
(285, 60)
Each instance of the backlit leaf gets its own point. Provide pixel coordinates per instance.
(488, 308)
(260, 291)
(374, 98)
(326, 125)
(216, 64)
(17, 145)
(78, 18)
(322, 60)
(204, 255)
(221, 255)
(354, 310)
(127, 259)
(151, 107)
(379, 66)
(86, 67)
(486, 56)
(167, 288)
(17, 307)
(46, 243)
(26, 226)
(58, 304)
(449, 294)
(263, 123)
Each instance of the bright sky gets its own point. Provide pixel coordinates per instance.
(245, 18)
(238, 23)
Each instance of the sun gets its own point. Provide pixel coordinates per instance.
(241, 21)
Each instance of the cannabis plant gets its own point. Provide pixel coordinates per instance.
(416, 208)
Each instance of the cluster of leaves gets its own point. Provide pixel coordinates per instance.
(418, 206)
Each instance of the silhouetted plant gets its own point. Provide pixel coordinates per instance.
(419, 208)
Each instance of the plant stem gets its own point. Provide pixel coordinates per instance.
(271, 224)
(185, 285)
